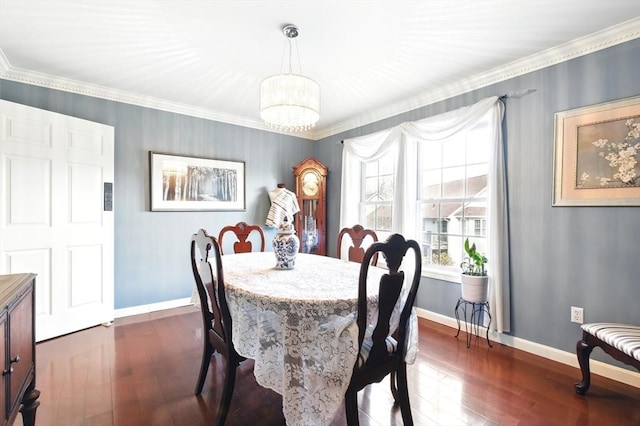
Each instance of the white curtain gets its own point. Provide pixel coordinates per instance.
(401, 142)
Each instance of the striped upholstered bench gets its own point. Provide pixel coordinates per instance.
(621, 341)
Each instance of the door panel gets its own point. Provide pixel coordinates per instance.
(29, 193)
(52, 170)
(84, 262)
(37, 261)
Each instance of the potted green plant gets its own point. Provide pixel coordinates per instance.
(474, 277)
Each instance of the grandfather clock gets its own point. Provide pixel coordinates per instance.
(310, 222)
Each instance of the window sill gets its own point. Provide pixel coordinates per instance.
(440, 274)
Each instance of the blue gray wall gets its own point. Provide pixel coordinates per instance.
(151, 248)
(560, 256)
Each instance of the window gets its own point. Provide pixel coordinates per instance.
(448, 184)
(479, 227)
(376, 205)
(452, 196)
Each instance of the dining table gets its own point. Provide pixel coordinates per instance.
(299, 326)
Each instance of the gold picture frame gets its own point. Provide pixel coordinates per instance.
(597, 155)
(186, 183)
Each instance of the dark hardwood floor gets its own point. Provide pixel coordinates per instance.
(143, 370)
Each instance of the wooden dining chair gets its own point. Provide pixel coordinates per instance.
(357, 234)
(385, 353)
(206, 264)
(242, 230)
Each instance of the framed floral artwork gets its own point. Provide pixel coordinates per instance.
(184, 183)
(597, 155)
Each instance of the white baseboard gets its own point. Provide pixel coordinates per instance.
(597, 367)
(153, 307)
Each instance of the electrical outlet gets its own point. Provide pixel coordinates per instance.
(577, 315)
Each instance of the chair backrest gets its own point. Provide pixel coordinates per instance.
(357, 234)
(394, 285)
(242, 231)
(210, 284)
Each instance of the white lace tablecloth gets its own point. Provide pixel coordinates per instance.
(299, 326)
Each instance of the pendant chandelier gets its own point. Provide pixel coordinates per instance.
(290, 102)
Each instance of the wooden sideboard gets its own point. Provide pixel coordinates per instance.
(17, 326)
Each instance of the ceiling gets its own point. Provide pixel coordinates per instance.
(372, 59)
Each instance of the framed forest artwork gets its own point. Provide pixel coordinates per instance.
(185, 183)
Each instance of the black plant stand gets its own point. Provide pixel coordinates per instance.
(477, 308)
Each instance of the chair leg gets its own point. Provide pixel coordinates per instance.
(227, 392)
(394, 388)
(583, 351)
(207, 352)
(351, 407)
(403, 393)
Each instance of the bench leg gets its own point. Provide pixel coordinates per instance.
(583, 350)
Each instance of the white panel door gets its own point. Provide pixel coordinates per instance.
(52, 216)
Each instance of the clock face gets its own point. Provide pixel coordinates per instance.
(310, 184)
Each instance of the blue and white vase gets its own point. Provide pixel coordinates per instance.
(286, 245)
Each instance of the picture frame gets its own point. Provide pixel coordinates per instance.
(188, 183)
(597, 155)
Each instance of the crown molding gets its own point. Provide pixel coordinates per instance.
(611, 36)
(19, 75)
(4, 64)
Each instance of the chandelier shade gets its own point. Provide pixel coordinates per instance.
(290, 101)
